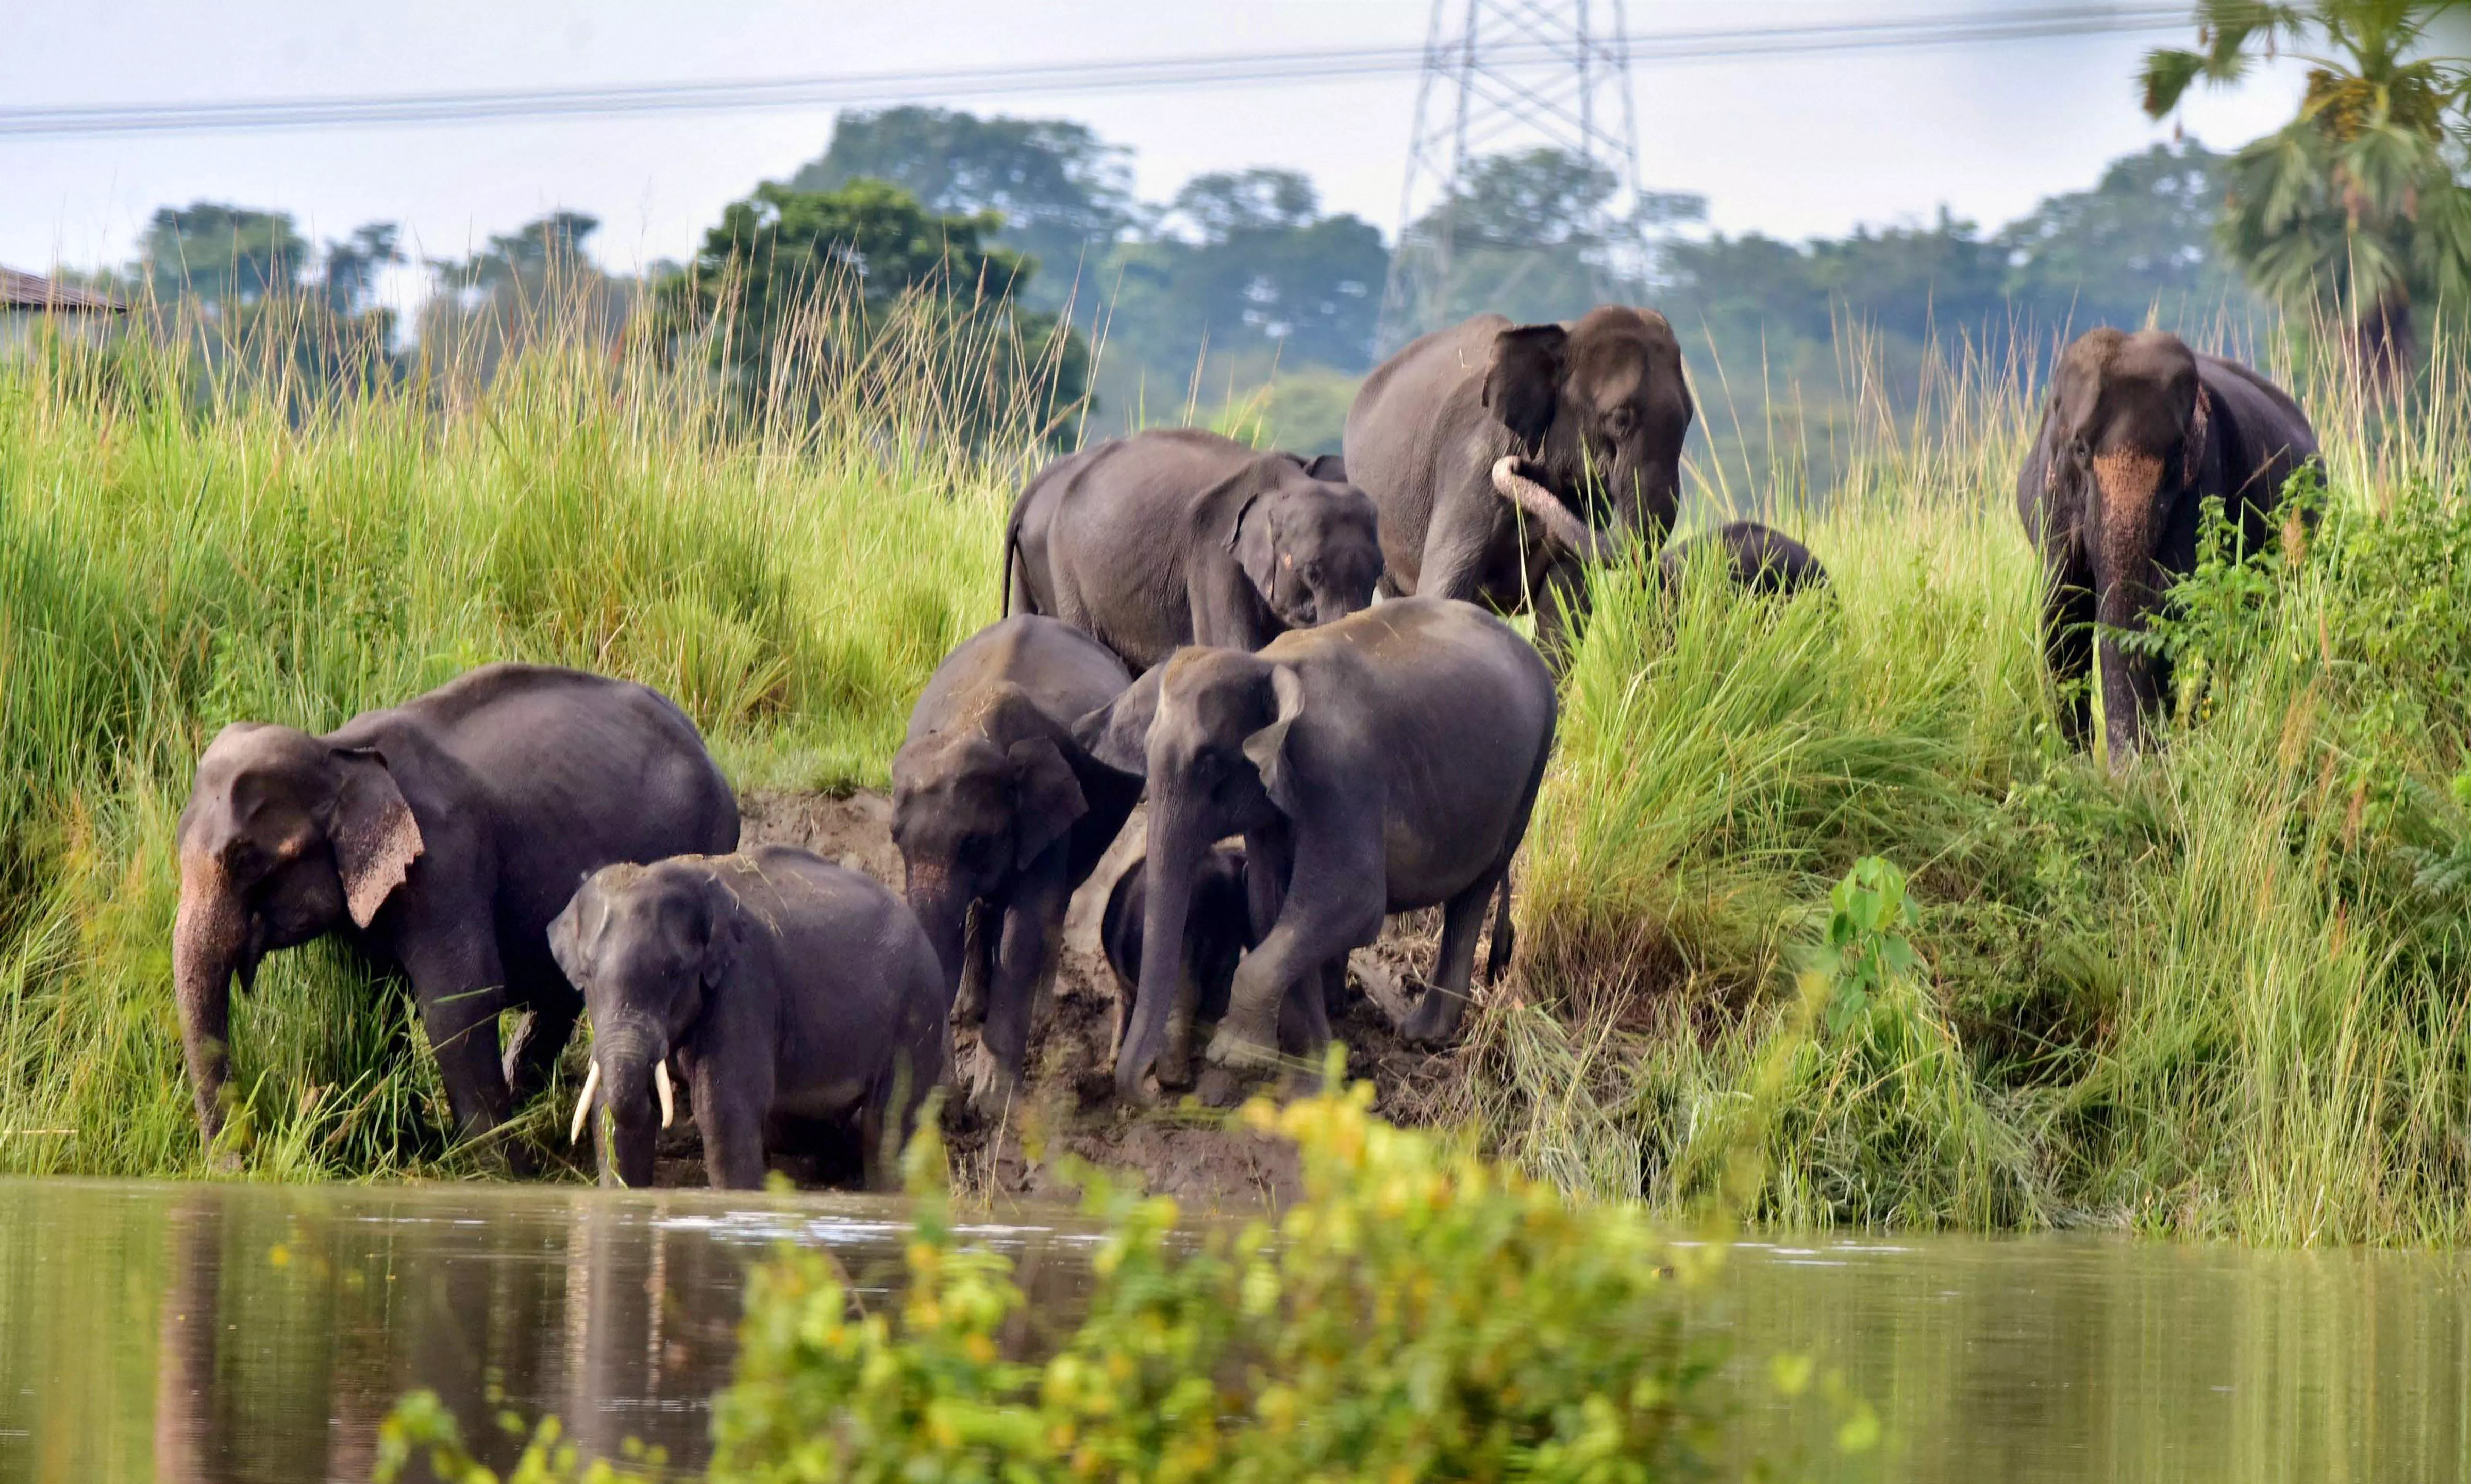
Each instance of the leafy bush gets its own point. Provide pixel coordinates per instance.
(1419, 1314)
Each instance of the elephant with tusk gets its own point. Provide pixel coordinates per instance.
(788, 990)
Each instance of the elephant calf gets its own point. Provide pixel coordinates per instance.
(1756, 558)
(786, 987)
(997, 808)
(1217, 931)
(1380, 764)
(1180, 536)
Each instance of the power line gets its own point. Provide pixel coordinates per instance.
(1254, 69)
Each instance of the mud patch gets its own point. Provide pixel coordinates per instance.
(1186, 1151)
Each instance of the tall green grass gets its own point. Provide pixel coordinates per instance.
(2221, 995)
(179, 549)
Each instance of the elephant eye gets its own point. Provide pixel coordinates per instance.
(1619, 421)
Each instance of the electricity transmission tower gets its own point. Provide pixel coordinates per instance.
(1503, 74)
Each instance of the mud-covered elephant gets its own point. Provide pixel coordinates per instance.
(788, 989)
(1180, 536)
(1377, 764)
(1594, 411)
(997, 808)
(1217, 933)
(439, 837)
(2138, 432)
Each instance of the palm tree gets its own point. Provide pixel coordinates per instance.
(2355, 209)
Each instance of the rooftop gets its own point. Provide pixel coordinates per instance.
(29, 291)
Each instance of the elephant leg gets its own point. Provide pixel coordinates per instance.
(457, 981)
(1033, 934)
(1456, 550)
(1561, 605)
(1173, 1068)
(2068, 649)
(1333, 903)
(1336, 997)
(729, 1113)
(1435, 1019)
(1304, 1025)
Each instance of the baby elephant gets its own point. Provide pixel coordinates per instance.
(786, 987)
(1218, 929)
(1756, 558)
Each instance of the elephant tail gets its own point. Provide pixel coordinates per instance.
(1497, 962)
(1011, 560)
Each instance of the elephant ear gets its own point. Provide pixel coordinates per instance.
(1047, 798)
(1269, 746)
(2192, 457)
(576, 929)
(1117, 734)
(1524, 383)
(376, 838)
(725, 932)
(1328, 468)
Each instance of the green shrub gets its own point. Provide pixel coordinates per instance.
(1419, 1314)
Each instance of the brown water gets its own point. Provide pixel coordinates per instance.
(250, 1332)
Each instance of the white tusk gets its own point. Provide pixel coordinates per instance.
(661, 1085)
(583, 1105)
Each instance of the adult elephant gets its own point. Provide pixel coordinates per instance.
(2139, 431)
(1594, 411)
(440, 837)
(996, 807)
(1378, 764)
(1180, 537)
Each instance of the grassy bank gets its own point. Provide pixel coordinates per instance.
(2222, 995)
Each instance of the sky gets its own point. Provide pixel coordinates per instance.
(1793, 147)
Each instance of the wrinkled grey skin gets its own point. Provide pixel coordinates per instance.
(1756, 558)
(786, 987)
(1380, 764)
(1217, 931)
(439, 836)
(2138, 432)
(1328, 468)
(1595, 409)
(1180, 536)
(995, 806)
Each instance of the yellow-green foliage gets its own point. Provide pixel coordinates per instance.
(1419, 1314)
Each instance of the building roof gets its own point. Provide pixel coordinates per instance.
(26, 291)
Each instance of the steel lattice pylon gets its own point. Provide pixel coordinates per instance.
(1509, 73)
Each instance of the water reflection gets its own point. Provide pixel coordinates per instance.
(243, 1334)
(250, 1332)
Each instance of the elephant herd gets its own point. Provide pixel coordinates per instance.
(1302, 654)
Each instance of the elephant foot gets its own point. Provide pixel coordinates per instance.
(1219, 1088)
(992, 1090)
(1239, 1043)
(1434, 1020)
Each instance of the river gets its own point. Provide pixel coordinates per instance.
(238, 1333)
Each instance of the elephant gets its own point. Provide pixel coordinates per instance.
(1594, 411)
(439, 837)
(1759, 559)
(1180, 536)
(1380, 764)
(785, 986)
(1217, 933)
(2138, 432)
(1328, 468)
(996, 805)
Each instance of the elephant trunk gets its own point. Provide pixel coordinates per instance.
(209, 943)
(945, 914)
(2127, 486)
(1176, 845)
(631, 1058)
(1645, 495)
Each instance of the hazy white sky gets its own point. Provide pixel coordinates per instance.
(1788, 146)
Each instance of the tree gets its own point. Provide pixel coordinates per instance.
(350, 279)
(1063, 194)
(221, 254)
(2354, 208)
(2142, 240)
(809, 281)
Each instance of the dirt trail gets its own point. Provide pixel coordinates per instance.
(1072, 1106)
